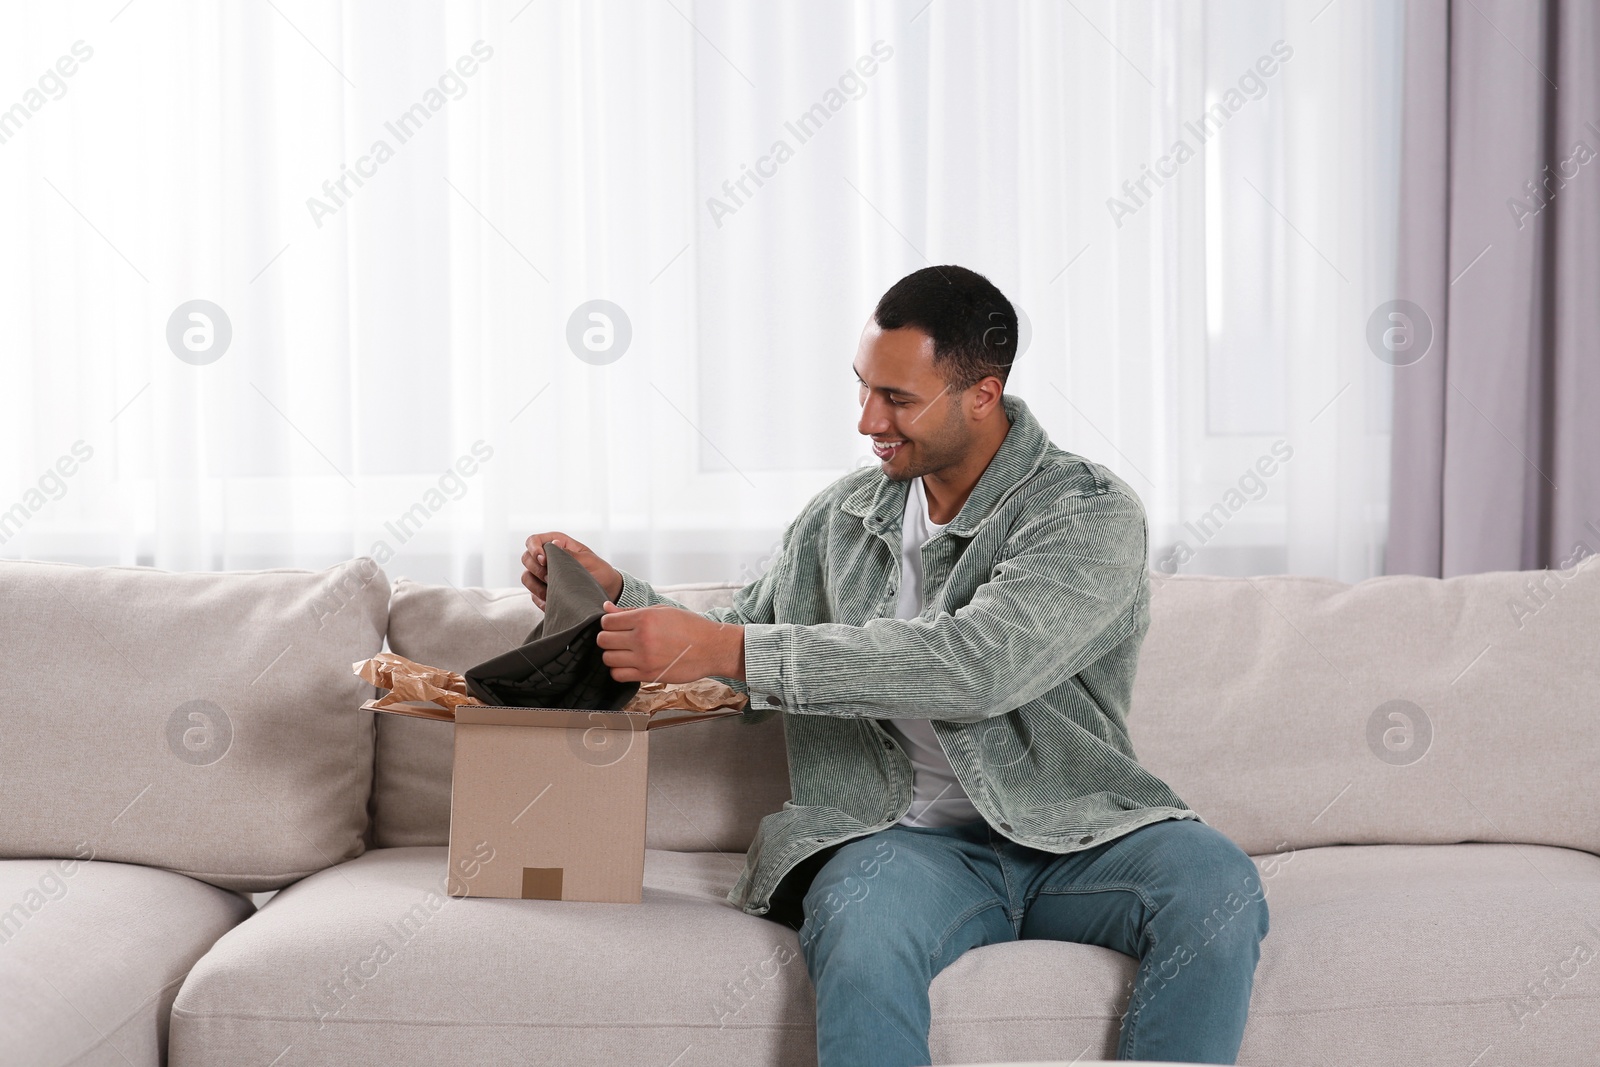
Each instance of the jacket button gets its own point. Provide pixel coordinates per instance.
(775, 700)
(1005, 826)
(1084, 840)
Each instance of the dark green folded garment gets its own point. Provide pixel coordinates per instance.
(558, 664)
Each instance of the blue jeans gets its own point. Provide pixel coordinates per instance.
(885, 913)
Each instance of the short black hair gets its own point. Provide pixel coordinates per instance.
(973, 325)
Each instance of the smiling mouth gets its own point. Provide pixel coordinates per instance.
(887, 451)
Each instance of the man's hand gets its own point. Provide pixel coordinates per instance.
(667, 644)
(536, 568)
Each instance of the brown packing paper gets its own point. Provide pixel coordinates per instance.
(703, 694)
(408, 680)
(411, 682)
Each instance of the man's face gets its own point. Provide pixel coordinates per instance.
(915, 420)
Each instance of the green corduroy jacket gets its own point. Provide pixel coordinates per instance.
(1035, 602)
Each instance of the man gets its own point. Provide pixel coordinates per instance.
(951, 637)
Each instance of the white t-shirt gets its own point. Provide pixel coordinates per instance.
(937, 798)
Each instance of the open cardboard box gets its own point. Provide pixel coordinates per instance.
(549, 803)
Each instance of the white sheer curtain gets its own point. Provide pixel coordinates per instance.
(402, 209)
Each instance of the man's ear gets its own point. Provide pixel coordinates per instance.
(986, 393)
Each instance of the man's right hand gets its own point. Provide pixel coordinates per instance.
(536, 568)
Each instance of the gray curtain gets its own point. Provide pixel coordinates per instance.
(1496, 462)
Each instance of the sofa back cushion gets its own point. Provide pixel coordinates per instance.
(710, 782)
(206, 723)
(1293, 712)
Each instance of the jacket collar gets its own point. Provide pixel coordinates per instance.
(880, 501)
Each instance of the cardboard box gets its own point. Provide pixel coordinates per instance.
(549, 803)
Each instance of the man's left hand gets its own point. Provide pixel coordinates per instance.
(660, 643)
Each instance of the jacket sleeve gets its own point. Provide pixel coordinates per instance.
(1066, 589)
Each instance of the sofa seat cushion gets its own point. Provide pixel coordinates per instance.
(1417, 954)
(1382, 955)
(370, 962)
(92, 955)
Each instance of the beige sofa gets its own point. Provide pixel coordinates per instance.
(1412, 763)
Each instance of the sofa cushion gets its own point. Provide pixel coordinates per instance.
(370, 962)
(1412, 954)
(1293, 712)
(1379, 955)
(92, 954)
(710, 783)
(208, 723)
